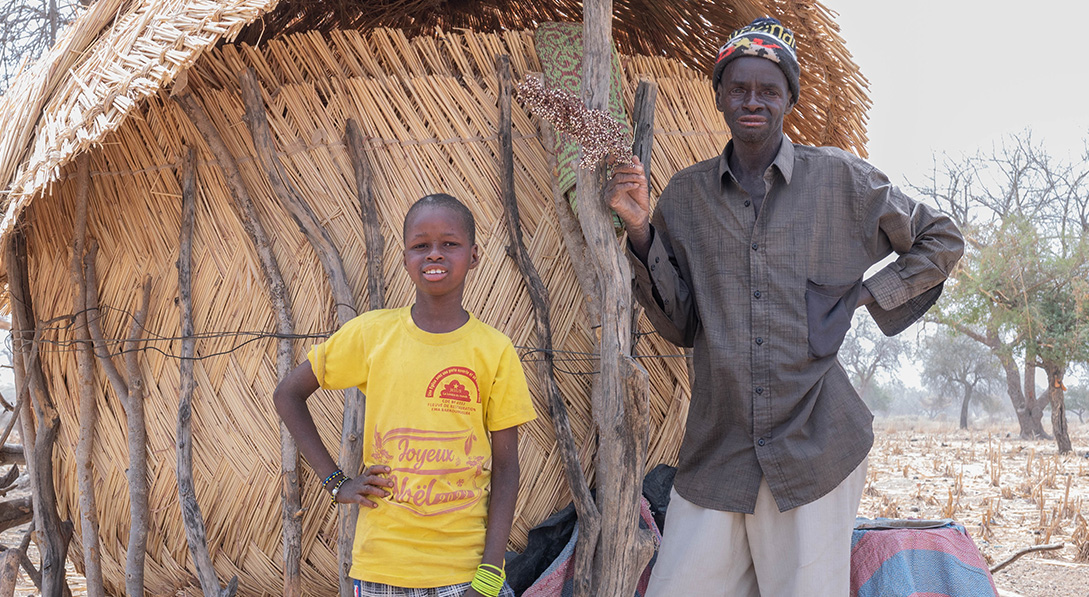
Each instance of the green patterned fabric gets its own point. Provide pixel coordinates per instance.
(559, 47)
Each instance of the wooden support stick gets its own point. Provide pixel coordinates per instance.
(372, 229)
(643, 118)
(137, 443)
(622, 551)
(88, 408)
(291, 516)
(131, 395)
(588, 515)
(94, 324)
(38, 441)
(28, 566)
(9, 572)
(1027, 550)
(643, 147)
(351, 434)
(195, 533)
(292, 201)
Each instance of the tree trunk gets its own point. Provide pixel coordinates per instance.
(1034, 407)
(964, 406)
(1031, 427)
(619, 396)
(1056, 392)
(1029, 413)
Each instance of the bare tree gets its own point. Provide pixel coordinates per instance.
(959, 365)
(28, 28)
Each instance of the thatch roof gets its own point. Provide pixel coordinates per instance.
(121, 52)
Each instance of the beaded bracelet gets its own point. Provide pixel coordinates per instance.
(325, 483)
(488, 583)
(336, 487)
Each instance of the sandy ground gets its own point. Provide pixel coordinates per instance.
(1009, 493)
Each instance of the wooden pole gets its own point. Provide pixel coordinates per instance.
(192, 518)
(643, 147)
(643, 118)
(620, 401)
(291, 200)
(37, 441)
(9, 572)
(588, 515)
(88, 408)
(368, 208)
(137, 444)
(351, 431)
(131, 395)
(244, 207)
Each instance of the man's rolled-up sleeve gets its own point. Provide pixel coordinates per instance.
(928, 245)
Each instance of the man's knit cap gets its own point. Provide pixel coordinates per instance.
(765, 38)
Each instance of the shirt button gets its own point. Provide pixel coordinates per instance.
(760, 442)
(748, 203)
(759, 340)
(760, 390)
(755, 246)
(656, 259)
(756, 294)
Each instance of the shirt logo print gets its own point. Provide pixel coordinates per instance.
(467, 375)
(455, 391)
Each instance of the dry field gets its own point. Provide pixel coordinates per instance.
(1009, 493)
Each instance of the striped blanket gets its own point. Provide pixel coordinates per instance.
(901, 558)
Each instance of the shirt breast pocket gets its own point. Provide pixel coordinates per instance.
(829, 308)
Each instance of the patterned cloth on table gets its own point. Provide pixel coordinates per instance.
(899, 558)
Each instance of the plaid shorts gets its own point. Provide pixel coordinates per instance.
(374, 589)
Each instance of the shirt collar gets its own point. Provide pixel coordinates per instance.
(784, 160)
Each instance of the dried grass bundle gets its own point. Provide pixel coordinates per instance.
(600, 136)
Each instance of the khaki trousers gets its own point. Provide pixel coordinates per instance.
(805, 551)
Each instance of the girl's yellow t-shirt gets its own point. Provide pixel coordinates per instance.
(432, 400)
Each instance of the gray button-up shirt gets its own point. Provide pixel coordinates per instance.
(766, 298)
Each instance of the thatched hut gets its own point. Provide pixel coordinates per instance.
(419, 79)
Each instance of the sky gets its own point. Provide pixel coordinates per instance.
(955, 76)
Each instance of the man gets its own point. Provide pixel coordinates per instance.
(756, 259)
